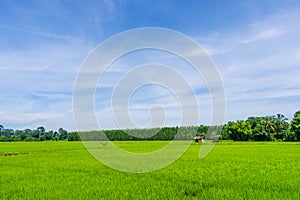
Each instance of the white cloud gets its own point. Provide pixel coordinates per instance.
(265, 34)
(260, 64)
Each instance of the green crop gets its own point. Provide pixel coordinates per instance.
(65, 170)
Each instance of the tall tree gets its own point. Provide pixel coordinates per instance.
(1, 129)
(270, 126)
(41, 130)
(241, 130)
(63, 134)
(295, 124)
(281, 126)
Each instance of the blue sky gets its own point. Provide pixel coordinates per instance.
(255, 45)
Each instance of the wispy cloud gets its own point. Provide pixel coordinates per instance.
(37, 33)
(260, 65)
(24, 69)
(265, 34)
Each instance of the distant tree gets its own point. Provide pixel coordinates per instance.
(258, 130)
(289, 136)
(270, 126)
(241, 130)
(14, 137)
(21, 134)
(295, 125)
(8, 132)
(63, 134)
(42, 138)
(73, 136)
(3, 138)
(41, 130)
(253, 121)
(55, 136)
(35, 133)
(28, 132)
(1, 128)
(281, 126)
(280, 122)
(226, 133)
(263, 128)
(49, 135)
(202, 130)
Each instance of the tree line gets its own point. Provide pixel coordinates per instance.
(39, 134)
(266, 128)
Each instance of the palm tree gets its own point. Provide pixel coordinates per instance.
(270, 125)
(280, 122)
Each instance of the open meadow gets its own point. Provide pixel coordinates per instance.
(233, 170)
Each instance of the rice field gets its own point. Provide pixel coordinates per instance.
(233, 170)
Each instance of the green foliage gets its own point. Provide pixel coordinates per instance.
(63, 134)
(30, 139)
(73, 136)
(290, 136)
(165, 133)
(281, 126)
(202, 130)
(266, 128)
(295, 125)
(40, 134)
(1, 129)
(241, 130)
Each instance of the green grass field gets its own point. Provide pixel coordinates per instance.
(65, 170)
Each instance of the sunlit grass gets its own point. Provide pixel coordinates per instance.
(65, 170)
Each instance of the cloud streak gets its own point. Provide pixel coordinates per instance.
(260, 65)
